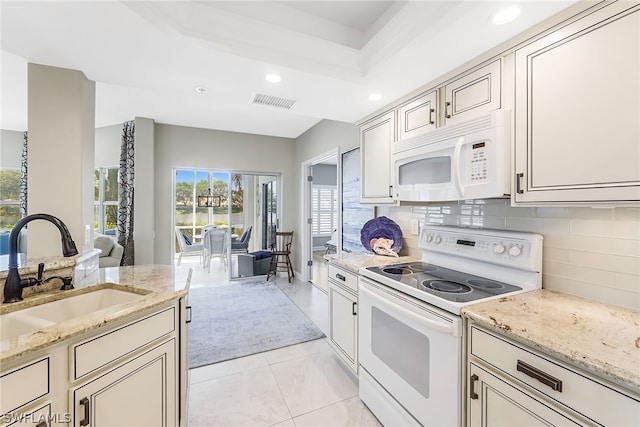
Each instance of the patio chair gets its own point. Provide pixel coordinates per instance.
(242, 245)
(188, 248)
(215, 246)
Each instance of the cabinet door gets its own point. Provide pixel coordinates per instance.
(472, 94)
(376, 138)
(418, 116)
(578, 111)
(343, 324)
(493, 401)
(141, 392)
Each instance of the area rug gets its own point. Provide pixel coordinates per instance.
(241, 318)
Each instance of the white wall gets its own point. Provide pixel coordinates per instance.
(11, 148)
(185, 147)
(593, 253)
(107, 152)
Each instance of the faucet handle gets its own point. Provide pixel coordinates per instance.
(40, 271)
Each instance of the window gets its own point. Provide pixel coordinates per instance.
(9, 197)
(105, 211)
(323, 209)
(189, 184)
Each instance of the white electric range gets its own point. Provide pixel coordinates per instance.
(410, 329)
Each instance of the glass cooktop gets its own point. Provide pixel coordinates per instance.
(445, 283)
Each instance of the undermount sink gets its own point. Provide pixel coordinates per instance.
(40, 316)
(17, 323)
(81, 304)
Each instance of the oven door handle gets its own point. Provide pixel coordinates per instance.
(456, 166)
(432, 324)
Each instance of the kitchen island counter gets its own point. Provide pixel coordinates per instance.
(157, 283)
(599, 338)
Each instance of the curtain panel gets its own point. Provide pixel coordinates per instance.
(126, 193)
(23, 177)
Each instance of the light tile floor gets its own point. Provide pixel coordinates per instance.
(299, 385)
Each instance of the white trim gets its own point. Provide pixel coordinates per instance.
(306, 252)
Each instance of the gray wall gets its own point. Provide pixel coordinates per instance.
(327, 135)
(181, 147)
(325, 175)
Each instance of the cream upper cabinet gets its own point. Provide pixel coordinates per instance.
(376, 137)
(473, 93)
(418, 116)
(577, 118)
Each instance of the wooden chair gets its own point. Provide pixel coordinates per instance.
(280, 254)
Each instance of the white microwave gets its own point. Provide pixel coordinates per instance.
(466, 160)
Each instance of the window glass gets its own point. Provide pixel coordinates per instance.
(323, 208)
(9, 197)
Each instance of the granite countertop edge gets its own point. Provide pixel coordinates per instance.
(158, 283)
(354, 262)
(599, 338)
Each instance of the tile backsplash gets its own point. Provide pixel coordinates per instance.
(589, 252)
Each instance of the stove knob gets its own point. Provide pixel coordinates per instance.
(437, 240)
(429, 237)
(499, 249)
(514, 251)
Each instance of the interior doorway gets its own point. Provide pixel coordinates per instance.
(322, 201)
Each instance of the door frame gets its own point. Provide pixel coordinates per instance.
(306, 272)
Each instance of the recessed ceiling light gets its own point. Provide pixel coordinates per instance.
(505, 16)
(273, 78)
(201, 90)
(375, 97)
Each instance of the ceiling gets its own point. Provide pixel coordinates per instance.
(147, 57)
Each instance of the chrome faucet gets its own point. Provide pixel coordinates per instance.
(14, 285)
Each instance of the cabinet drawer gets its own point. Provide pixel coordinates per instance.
(97, 352)
(24, 385)
(344, 277)
(590, 398)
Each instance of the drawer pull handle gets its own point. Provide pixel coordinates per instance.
(188, 311)
(519, 178)
(353, 308)
(86, 420)
(472, 392)
(341, 277)
(539, 375)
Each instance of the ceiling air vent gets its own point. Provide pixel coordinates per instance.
(271, 101)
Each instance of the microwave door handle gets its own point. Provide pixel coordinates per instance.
(456, 166)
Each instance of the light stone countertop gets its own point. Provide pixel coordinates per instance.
(159, 284)
(353, 262)
(599, 338)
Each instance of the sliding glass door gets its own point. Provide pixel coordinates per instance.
(244, 204)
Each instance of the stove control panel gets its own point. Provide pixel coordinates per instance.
(510, 248)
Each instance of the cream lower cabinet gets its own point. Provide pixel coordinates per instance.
(509, 384)
(131, 373)
(343, 315)
(140, 392)
(577, 116)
